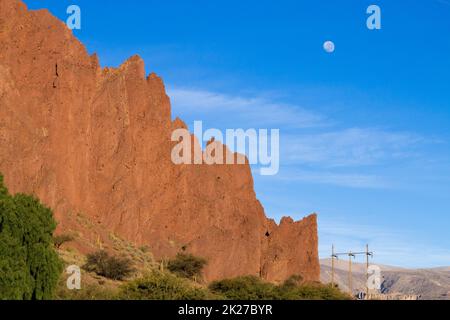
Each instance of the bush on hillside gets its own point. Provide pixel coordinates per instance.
(89, 291)
(187, 265)
(312, 291)
(253, 288)
(244, 288)
(59, 240)
(115, 268)
(293, 281)
(29, 265)
(162, 286)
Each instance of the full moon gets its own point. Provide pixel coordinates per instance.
(328, 46)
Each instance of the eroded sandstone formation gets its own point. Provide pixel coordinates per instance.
(97, 141)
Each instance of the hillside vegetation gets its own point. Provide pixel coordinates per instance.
(32, 259)
(160, 283)
(29, 265)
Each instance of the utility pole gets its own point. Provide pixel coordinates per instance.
(332, 265)
(350, 284)
(351, 255)
(368, 254)
(367, 270)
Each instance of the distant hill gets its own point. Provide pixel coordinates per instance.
(428, 283)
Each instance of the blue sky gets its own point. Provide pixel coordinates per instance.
(365, 131)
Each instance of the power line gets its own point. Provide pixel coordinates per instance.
(351, 255)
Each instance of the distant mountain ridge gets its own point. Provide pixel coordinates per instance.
(433, 283)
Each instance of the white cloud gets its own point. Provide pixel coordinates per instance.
(349, 180)
(390, 246)
(315, 152)
(242, 112)
(307, 139)
(349, 147)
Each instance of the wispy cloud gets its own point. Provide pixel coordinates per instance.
(248, 112)
(349, 147)
(390, 246)
(315, 150)
(349, 180)
(312, 149)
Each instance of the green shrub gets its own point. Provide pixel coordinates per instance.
(87, 293)
(116, 268)
(244, 288)
(162, 286)
(292, 282)
(314, 291)
(253, 288)
(90, 291)
(186, 265)
(59, 240)
(29, 265)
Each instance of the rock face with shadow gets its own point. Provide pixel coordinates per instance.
(95, 145)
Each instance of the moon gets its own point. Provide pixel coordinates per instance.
(329, 46)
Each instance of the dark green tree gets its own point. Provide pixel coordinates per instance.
(29, 266)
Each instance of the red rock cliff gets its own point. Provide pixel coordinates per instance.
(97, 141)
